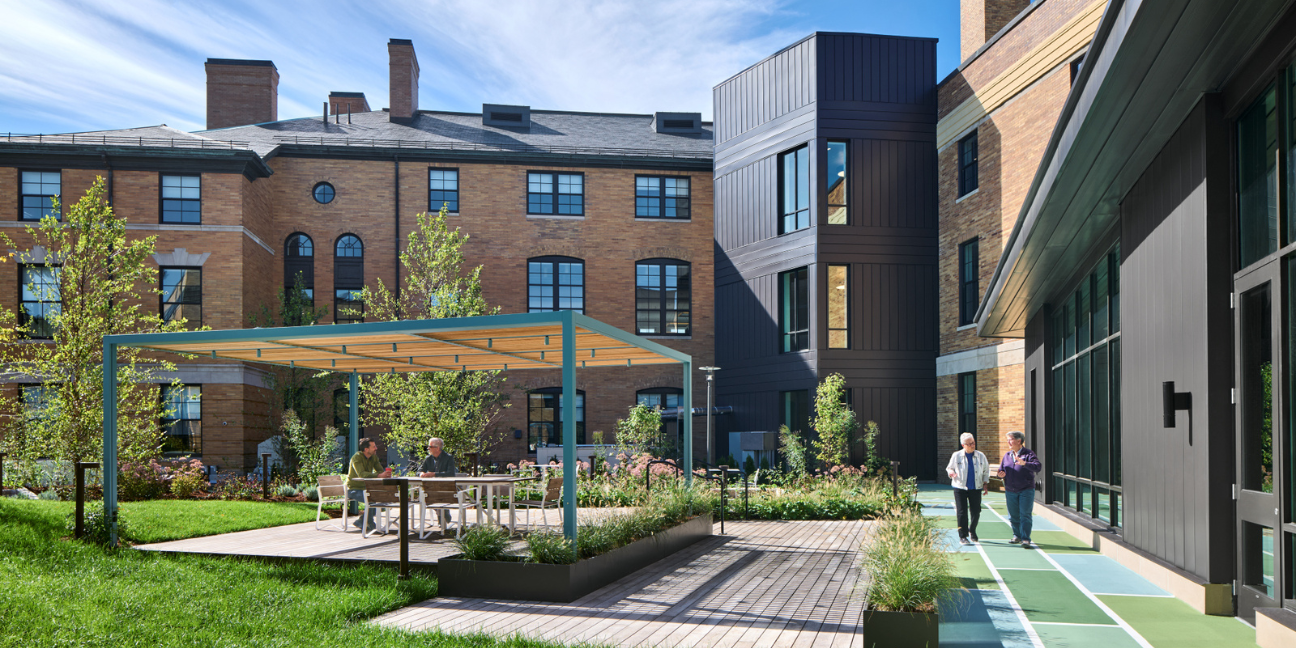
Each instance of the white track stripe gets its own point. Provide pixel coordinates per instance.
(1003, 587)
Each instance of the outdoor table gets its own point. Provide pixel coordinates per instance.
(491, 483)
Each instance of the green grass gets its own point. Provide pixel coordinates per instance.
(58, 592)
(163, 520)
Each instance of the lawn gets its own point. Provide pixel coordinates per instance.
(57, 592)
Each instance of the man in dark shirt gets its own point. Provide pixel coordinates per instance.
(438, 463)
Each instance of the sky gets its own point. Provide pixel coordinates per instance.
(73, 66)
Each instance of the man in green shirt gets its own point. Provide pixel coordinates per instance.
(365, 465)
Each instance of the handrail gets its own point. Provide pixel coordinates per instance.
(503, 147)
(109, 140)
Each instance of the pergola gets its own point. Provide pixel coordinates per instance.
(558, 340)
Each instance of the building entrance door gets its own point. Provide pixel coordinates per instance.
(1259, 384)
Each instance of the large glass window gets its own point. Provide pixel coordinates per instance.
(794, 310)
(664, 398)
(299, 264)
(182, 295)
(41, 302)
(967, 403)
(556, 193)
(443, 189)
(838, 197)
(1291, 169)
(1257, 134)
(969, 281)
(545, 418)
(661, 197)
(1084, 442)
(663, 297)
(967, 165)
(838, 307)
(794, 190)
(182, 199)
(555, 284)
(348, 280)
(182, 422)
(39, 188)
(794, 410)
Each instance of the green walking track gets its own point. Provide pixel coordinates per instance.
(1060, 594)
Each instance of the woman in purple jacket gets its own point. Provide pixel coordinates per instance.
(1017, 470)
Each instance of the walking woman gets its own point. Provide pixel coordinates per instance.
(969, 473)
(1017, 470)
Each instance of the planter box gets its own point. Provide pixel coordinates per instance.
(563, 583)
(901, 629)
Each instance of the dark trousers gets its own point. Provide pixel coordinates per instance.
(966, 501)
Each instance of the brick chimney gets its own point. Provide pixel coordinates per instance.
(241, 92)
(980, 20)
(404, 80)
(344, 103)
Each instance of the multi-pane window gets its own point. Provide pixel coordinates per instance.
(182, 199)
(41, 300)
(663, 398)
(794, 310)
(794, 190)
(555, 284)
(838, 199)
(794, 410)
(1257, 135)
(182, 420)
(663, 297)
(967, 403)
(967, 164)
(838, 307)
(348, 280)
(38, 402)
(661, 197)
(545, 418)
(969, 286)
(39, 188)
(299, 264)
(1084, 442)
(443, 189)
(323, 193)
(182, 295)
(555, 193)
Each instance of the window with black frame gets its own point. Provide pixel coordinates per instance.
(299, 264)
(1084, 450)
(838, 306)
(182, 199)
(663, 297)
(562, 194)
(969, 281)
(181, 295)
(1257, 177)
(545, 418)
(794, 190)
(555, 284)
(967, 403)
(38, 402)
(967, 165)
(794, 310)
(794, 410)
(41, 302)
(182, 421)
(443, 190)
(661, 197)
(838, 197)
(348, 280)
(39, 189)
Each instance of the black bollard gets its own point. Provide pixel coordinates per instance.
(404, 530)
(724, 495)
(81, 466)
(895, 478)
(265, 475)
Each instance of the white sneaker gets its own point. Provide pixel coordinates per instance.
(1015, 540)
(1026, 544)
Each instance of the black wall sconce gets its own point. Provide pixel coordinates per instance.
(1171, 401)
(517, 434)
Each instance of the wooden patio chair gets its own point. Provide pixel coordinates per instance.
(332, 490)
(445, 496)
(384, 499)
(550, 498)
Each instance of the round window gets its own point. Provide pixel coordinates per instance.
(323, 193)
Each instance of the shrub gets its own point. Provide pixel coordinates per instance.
(908, 568)
(96, 523)
(834, 421)
(49, 494)
(794, 451)
(311, 493)
(187, 478)
(483, 542)
(142, 481)
(236, 487)
(315, 457)
(550, 548)
(286, 491)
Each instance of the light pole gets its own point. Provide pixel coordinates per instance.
(710, 387)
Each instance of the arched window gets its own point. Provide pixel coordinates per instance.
(663, 297)
(555, 283)
(348, 279)
(299, 261)
(544, 417)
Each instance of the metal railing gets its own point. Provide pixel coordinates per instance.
(117, 140)
(502, 147)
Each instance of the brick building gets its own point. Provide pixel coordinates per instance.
(609, 214)
(996, 113)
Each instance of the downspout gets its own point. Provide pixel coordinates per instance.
(396, 191)
(108, 166)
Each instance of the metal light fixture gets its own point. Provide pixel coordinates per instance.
(710, 387)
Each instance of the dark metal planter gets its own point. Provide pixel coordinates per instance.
(563, 583)
(901, 629)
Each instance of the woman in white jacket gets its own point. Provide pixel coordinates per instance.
(969, 473)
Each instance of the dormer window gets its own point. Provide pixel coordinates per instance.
(502, 116)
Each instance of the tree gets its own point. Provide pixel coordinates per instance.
(460, 407)
(640, 430)
(834, 421)
(84, 280)
(306, 392)
(793, 449)
(314, 457)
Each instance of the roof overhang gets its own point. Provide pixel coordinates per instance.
(1148, 66)
(212, 159)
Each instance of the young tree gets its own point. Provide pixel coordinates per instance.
(460, 407)
(834, 421)
(307, 392)
(83, 279)
(640, 430)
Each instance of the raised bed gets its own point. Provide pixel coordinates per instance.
(523, 581)
(901, 629)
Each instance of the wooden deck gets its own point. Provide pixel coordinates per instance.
(778, 584)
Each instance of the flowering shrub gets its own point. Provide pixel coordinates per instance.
(187, 478)
(141, 481)
(238, 487)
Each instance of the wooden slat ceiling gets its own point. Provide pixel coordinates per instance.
(532, 347)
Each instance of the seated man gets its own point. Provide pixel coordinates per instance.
(438, 463)
(365, 465)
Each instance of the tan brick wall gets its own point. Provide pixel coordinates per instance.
(1000, 410)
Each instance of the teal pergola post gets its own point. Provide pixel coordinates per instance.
(686, 422)
(353, 435)
(571, 472)
(110, 439)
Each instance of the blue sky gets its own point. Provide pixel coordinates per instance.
(68, 66)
